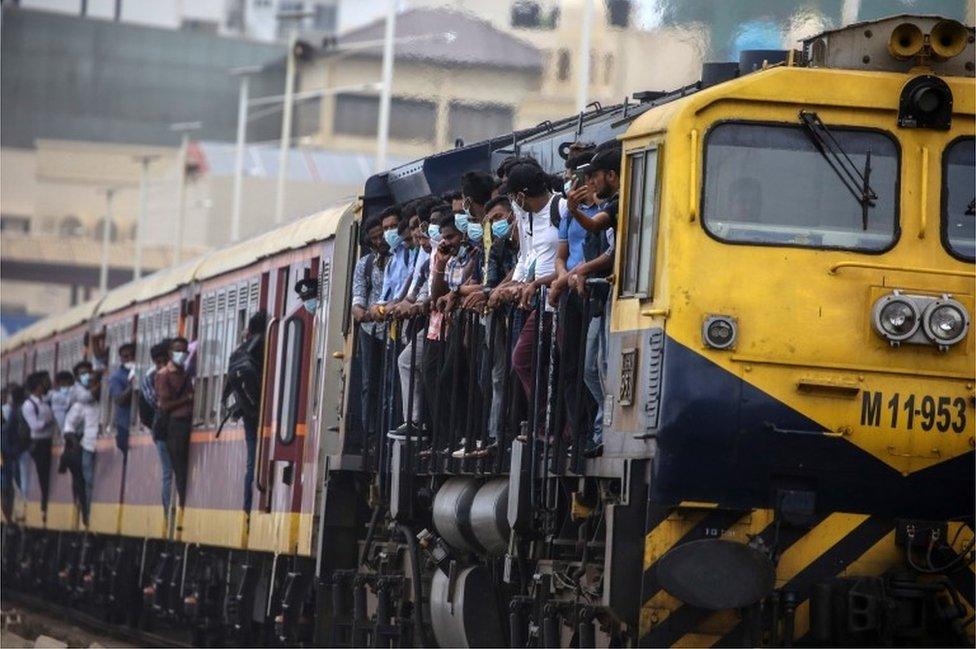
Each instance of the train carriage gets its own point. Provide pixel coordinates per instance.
(788, 423)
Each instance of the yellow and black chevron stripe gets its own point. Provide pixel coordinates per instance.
(839, 544)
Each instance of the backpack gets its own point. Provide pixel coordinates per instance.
(16, 433)
(244, 377)
(147, 410)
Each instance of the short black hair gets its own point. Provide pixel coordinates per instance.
(409, 209)
(257, 323)
(178, 339)
(453, 195)
(512, 160)
(606, 157)
(447, 221)
(36, 380)
(81, 365)
(425, 211)
(529, 178)
(130, 346)
(496, 201)
(372, 222)
(574, 161)
(392, 210)
(160, 349)
(64, 375)
(477, 186)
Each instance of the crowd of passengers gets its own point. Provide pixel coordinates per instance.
(160, 402)
(451, 293)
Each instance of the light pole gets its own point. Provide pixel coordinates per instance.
(144, 160)
(583, 90)
(383, 125)
(279, 215)
(106, 238)
(184, 128)
(245, 76)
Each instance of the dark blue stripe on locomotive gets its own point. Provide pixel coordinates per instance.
(715, 444)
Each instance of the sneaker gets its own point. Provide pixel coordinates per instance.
(400, 433)
(593, 451)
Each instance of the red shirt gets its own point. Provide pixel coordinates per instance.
(171, 383)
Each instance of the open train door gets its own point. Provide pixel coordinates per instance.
(282, 434)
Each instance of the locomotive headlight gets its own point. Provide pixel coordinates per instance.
(895, 318)
(945, 322)
(719, 331)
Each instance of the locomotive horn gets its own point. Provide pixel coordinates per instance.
(948, 39)
(906, 41)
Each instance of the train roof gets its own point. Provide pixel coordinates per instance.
(316, 227)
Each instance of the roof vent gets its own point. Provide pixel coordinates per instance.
(718, 72)
(752, 60)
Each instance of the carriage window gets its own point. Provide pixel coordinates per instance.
(959, 199)
(641, 224)
(291, 378)
(769, 184)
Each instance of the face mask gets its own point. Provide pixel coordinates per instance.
(434, 231)
(85, 379)
(461, 221)
(567, 187)
(129, 366)
(179, 357)
(392, 238)
(475, 231)
(500, 229)
(64, 390)
(312, 305)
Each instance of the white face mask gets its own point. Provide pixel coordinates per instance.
(179, 358)
(129, 366)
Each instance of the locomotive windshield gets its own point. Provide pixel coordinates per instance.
(769, 184)
(959, 199)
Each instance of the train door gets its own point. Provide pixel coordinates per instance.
(286, 380)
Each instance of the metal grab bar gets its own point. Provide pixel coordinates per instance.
(933, 454)
(843, 431)
(834, 268)
(259, 460)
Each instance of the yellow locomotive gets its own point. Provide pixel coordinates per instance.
(788, 426)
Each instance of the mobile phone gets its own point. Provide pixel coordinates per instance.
(579, 176)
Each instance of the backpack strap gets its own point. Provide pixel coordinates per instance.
(370, 262)
(554, 216)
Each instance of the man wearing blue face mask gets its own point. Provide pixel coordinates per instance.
(120, 388)
(308, 292)
(60, 396)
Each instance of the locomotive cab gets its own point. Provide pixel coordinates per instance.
(790, 333)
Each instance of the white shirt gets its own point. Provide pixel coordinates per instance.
(84, 418)
(60, 402)
(537, 251)
(39, 417)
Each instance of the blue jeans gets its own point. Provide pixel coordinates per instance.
(88, 472)
(371, 350)
(251, 440)
(167, 466)
(595, 370)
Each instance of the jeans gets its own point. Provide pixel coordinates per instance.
(251, 440)
(595, 370)
(403, 363)
(496, 329)
(40, 451)
(167, 466)
(88, 472)
(178, 445)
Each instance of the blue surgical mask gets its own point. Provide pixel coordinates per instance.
(500, 229)
(567, 187)
(85, 379)
(434, 231)
(392, 238)
(475, 231)
(65, 390)
(179, 357)
(461, 221)
(312, 305)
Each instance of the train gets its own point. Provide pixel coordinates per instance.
(788, 421)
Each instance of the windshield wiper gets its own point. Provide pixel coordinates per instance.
(857, 181)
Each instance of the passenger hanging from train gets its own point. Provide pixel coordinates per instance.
(413, 308)
(174, 403)
(537, 217)
(454, 200)
(14, 441)
(148, 406)
(500, 265)
(40, 419)
(121, 384)
(60, 396)
(83, 422)
(599, 219)
(245, 371)
(367, 288)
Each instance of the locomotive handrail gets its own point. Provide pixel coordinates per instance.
(259, 460)
(834, 268)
